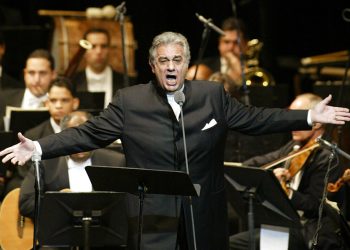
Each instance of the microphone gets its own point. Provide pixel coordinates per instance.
(119, 10)
(209, 23)
(179, 98)
(333, 147)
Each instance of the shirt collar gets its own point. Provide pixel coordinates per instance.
(56, 128)
(92, 75)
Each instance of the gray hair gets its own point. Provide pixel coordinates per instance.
(79, 117)
(169, 38)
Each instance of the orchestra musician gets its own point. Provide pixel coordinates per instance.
(230, 48)
(305, 187)
(61, 101)
(67, 172)
(98, 75)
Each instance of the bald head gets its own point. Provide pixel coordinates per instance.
(74, 119)
(305, 101)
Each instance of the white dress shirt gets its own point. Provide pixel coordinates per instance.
(30, 101)
(56, 128)
(100, 83)
(79, 181)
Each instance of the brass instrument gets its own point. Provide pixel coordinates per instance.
(255, 75)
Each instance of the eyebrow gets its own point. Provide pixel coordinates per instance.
(165, 57)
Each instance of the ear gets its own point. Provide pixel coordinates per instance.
(76, 103)
(152, 66)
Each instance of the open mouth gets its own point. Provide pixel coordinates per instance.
(170, 77)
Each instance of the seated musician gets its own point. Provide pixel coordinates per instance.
(61, 101)
(230, 47)
(98, 76)
(304, 187)
(67, 172)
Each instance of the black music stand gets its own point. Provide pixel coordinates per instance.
(91, 100)
(260, 190)
(139, 182)
(23, 120)
(83, 219)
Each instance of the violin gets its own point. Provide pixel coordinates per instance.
(297, 161)
(334, 187)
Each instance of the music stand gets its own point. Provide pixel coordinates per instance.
(260, 190)
(83, 219)
(91, 100)
(139, 182)
(22, 120)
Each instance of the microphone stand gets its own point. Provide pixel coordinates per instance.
(120, 16)
(323, 200)
(38, 195)
(188, 172)
(334, 149)
(202, 47)
(245, 91)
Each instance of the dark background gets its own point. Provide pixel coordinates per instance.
(289, 29)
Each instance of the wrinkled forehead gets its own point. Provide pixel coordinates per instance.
(169, 50)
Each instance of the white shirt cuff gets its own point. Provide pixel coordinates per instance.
(309, 120)
(38, 148)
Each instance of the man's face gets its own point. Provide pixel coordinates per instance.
(97, 57)
(60, 103)
(170, 66)
(38, 75)
(230, 43)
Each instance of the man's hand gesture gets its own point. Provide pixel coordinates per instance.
(323, 113)
(19, 153)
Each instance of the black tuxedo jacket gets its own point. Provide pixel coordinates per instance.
(142, 118)
(43, 129)
(8, 82)
(55, 176)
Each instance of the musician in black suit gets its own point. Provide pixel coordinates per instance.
(39, 71)
(67, 172)
(61, 101)
(147, 119)
(305, 188)
(98, 76)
